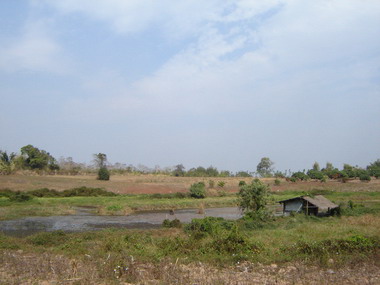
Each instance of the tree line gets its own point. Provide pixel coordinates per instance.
(40, 161)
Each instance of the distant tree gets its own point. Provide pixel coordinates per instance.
(374, 169)
(316, 166)
(179, 170)
(264, 168)
(101, 161)
(38, 159)
(243, 174)
(7, 162)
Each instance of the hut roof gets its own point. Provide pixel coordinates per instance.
(318, 200)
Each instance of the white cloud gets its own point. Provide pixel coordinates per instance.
(34, 50)
(302, 49)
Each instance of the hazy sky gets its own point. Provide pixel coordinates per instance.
(198, 82)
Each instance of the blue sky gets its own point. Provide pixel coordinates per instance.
(215, 82)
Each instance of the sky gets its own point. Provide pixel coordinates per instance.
(217, 82)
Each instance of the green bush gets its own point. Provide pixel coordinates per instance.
(48, 238)
(20, 197)
(277, 182)
(172, 224)
(198, 190)
(103, 174)
(45, 192)
(300, 176)
(208, 226)
(85, 191)
(364, 177)
(242, 183)
(221, 184)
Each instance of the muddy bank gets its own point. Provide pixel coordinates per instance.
(84, 220)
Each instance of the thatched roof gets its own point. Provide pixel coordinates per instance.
(318, 200)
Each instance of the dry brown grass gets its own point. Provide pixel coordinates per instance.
(17, 267)
(147, 184)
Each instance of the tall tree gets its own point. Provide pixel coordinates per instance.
(264, 168)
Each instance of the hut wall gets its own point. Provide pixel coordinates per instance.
(293, 206)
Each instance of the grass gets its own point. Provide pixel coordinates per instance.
(169, 255)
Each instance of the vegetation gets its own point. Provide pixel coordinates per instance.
(264, 168)
(198, 190)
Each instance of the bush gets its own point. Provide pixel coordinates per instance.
(293, 179)
(300, 176)
(277, 182)
(20, 197)
(365, 177)
(103, 174)
(211, 184)
(172, 224)
(221, 184)
(84, 191)
(45, 192)
(242, 183)
(197, 190)
(199, 228)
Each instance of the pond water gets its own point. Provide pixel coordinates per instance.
(84, 220)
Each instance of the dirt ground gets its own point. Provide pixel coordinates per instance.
(148, 184)
(18, 267)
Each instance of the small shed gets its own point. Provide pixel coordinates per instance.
(317, 205)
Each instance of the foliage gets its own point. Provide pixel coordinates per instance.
(365, 177)
(211, 184)
(103, 174)
(264, 168)
(242, 183)
(277, 182)
(315, 174)
(253, 197)
(179, 170)
(221, 184)
(7, 162)
(38, 159)
(300, 176)
(243, 174)
(20, 197)
(198, 190)
(212, 226)
(316, 167)
(172, 224)
(86, 192)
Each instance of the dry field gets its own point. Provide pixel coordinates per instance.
(148, 184)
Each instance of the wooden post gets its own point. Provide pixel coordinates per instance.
(307, 208)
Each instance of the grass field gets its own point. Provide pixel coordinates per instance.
(283, 250)
(148, 184)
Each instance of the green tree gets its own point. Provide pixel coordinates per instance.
(35, 158)
(100, 160)
(264, 168)
(253, 197)
(316, 166)
(7, 162)
(179, 170)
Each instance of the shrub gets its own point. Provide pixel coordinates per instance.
(84, 191)
(300, 176)
(277, 182)
(242, 183)
(199, 228)
(364, 177)
(211, 184)
(20, 197)
(48, 238)
(293, 179)
(197, 190)
(103, 174)
(221, 184)
(172, 224)
(45, 192)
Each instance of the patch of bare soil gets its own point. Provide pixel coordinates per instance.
(17, 267)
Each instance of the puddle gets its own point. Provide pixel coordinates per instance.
(85, 220)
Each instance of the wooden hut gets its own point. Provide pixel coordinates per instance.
(317, 205)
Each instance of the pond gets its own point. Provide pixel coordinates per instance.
(84, 220)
